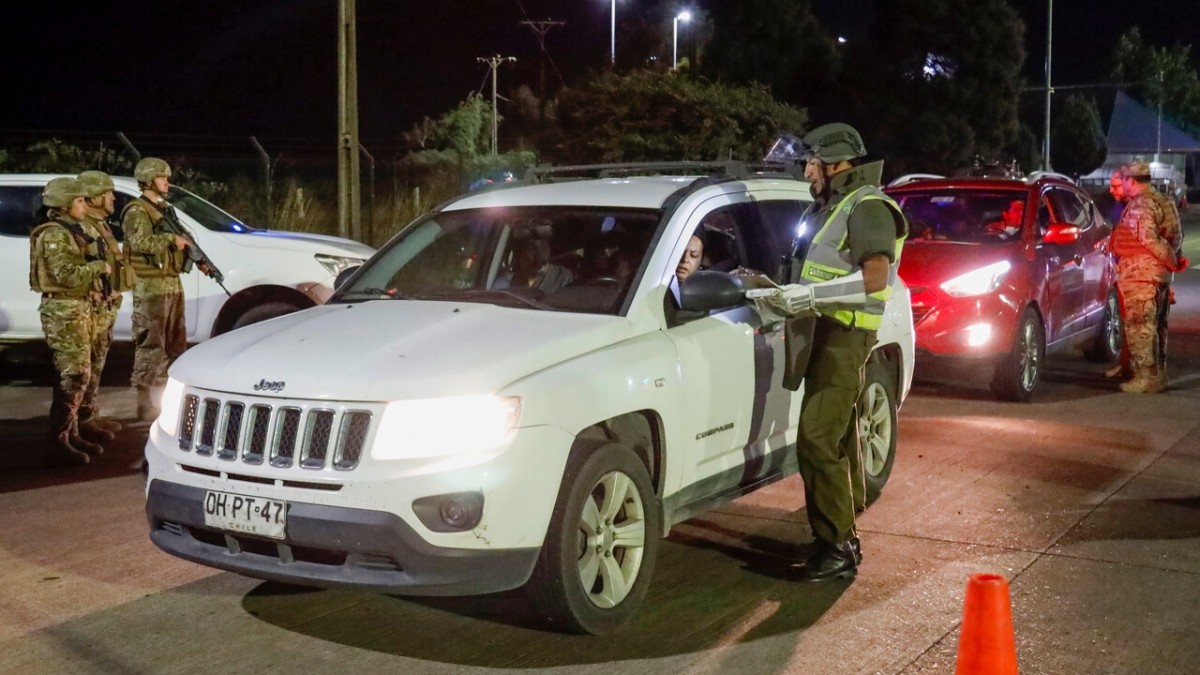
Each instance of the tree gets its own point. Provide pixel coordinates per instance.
(936, 83)
(779, 43)
(1162, 75)
(648, 116)
(1078, 139)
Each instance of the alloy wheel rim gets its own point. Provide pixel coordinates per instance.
(1112, 327)
(612, 536)
(1029, 357)
(875, 429)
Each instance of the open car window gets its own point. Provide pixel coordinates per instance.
(558, 258)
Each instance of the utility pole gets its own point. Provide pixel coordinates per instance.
(349, 206)
(494, 64)
(1049, 87)
(540, 28)
(1162, 92)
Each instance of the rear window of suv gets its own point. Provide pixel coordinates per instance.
(18, 206)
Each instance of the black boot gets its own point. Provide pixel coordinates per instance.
(832, 561)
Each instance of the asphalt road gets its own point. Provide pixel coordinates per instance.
(1086, 500)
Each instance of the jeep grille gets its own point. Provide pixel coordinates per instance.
(313, 437)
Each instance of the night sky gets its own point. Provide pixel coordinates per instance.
(227, 68)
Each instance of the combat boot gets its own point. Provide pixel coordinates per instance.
(80, 443)
(91, 430)
(64, 451)
(146, 411)
(92, 417)
(1141, 383)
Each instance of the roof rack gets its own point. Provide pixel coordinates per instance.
(732, 169)
(913, 177)
(1038, 175)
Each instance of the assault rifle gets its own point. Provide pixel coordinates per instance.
(193, 255)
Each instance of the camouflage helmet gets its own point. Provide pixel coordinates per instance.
(1137, 169)
(60, 192)
(95, 182)
(150, 168)
(835, 142)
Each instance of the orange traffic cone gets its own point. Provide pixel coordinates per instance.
(986, 644)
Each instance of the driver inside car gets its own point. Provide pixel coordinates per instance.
(1009, 224)
(531, 268)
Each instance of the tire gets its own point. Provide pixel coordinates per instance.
(1018, 373)
(587, 580)
(1110, 336)
(877, 425)
(267, 310)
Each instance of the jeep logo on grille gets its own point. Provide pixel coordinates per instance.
(264, 385)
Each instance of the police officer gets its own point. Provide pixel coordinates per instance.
(157, 257)
(67, 268)
(100, 206)
(1147, 241)
(845, 279)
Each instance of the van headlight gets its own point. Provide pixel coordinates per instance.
(334, 264)
(440, 427)
(172, 398)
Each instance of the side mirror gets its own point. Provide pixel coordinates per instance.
(706, 289)
(344, 275)
(1061, 233)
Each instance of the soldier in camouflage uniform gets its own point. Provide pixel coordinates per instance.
(157, 256)
(101, 203)
(1147, 242)
(67, 268)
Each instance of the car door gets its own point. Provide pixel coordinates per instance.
(731, 368)
(19, 318)
(1072, 305)
(1094, 239)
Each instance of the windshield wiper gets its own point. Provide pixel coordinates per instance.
(374, 294)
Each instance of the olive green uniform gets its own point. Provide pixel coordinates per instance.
(827, 443)
(159, 333)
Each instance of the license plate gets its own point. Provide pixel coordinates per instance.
(250, 515)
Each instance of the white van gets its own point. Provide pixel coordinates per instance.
(267, 272)
(449, 423)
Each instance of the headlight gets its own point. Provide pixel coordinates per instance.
(172, 397)
(334, 264)
(983, 280)
(444, 426)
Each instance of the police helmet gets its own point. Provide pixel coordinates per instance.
(60, 192)
(150, 168)
(835, 142)
(96, 183)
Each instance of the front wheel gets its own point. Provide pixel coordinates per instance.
(1106, 347)
(267, 310)
(596, 562)
(1019, 372)
(877, 427)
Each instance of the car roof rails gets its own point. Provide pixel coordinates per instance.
(1038, 175)
(734, 169)
(914, 177)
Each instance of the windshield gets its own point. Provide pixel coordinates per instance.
(205, 213)
(561, 258)
(964, 216)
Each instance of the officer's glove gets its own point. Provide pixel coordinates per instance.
(1182, 264)
(793, 299)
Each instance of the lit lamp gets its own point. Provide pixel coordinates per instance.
(684, 16)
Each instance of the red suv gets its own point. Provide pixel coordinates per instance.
(1004, 270)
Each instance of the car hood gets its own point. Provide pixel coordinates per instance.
(387, 350)
(302, 241)
(928, 264)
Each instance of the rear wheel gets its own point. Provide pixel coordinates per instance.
(877, 408)
(1018, 373)
(1106, 348)
(596, 562)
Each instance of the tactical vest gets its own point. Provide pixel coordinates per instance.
(40, 278)
(123, 276)
(151, 264)
(829, 257)
(1125, 240)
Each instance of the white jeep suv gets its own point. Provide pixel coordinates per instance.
(515, 391)
(268, 273)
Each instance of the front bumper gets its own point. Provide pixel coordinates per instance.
(333, 546)
(945, 328)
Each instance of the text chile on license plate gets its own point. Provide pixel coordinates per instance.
(241, 513)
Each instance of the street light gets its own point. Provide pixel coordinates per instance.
(1049, 86)
(683, 16)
